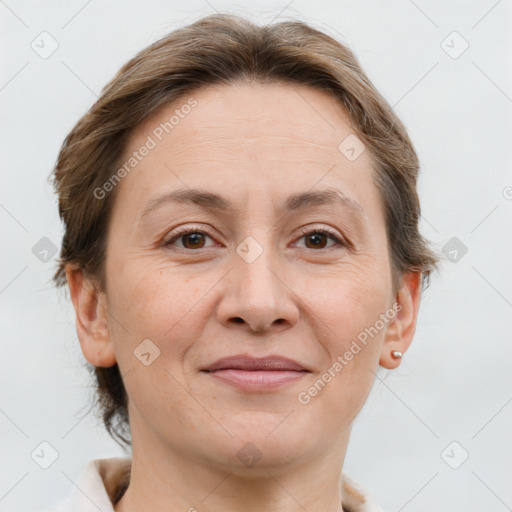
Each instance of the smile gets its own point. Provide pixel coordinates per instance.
(256, 374)
(257, 380)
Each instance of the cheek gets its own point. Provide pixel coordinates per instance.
(348, 323)
(148, 304)
(156, 306)
(347, 301)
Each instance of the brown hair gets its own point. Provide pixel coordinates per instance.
(223, 49)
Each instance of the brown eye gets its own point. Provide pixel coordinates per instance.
(318, 239)
(190, 239)
(195, 240)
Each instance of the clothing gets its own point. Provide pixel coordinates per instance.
(103, 482)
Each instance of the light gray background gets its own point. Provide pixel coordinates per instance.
(455, 381)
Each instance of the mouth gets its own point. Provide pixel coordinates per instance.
(256, 374)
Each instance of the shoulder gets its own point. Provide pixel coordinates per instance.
(355, 498)
(96, 487)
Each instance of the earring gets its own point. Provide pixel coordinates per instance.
(396, 354)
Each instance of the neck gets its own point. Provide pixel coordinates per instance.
(174, 481)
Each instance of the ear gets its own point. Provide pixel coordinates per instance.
(92, 324)
(401, 329)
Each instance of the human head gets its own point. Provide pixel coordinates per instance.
(222, 50)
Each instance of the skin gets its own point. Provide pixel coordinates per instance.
(254, 144)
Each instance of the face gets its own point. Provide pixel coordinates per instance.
(262, 271)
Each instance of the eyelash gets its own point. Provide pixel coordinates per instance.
(187, 231)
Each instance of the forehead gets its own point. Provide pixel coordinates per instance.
(238, 139)
(242, 115)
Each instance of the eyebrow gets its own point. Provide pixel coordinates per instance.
(294, 202)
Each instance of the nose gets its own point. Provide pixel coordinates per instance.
(258, 296)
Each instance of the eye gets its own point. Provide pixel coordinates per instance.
(316, 238)
(191, 238)
(194, 238)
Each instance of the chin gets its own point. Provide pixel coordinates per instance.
(263, 442)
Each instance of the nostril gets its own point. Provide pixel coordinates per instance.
(238, 320)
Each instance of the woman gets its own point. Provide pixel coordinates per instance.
(242, 252)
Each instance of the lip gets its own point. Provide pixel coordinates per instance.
(246, 362)
(256, 374)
